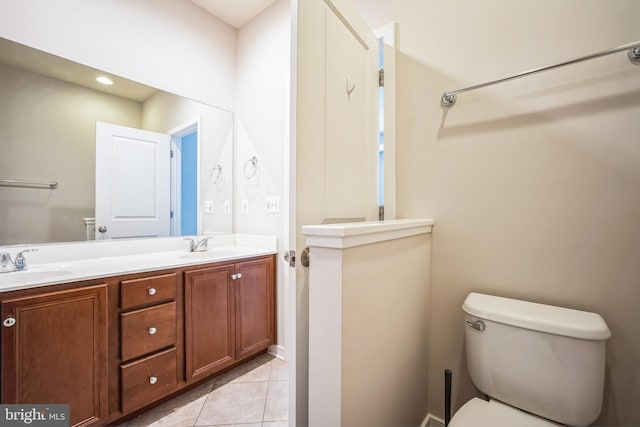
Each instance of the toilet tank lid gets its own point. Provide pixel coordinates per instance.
(537, 317)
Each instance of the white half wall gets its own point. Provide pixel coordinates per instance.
(369, 293)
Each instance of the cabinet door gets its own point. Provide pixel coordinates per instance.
(254, 307)
(209, 321)
(55, 352)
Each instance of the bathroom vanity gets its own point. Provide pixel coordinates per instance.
(110, 335)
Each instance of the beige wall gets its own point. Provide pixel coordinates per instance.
(534, 185)
(262, 122)
(148, 41)
(164, 112)
(385, 316)
(47, 132)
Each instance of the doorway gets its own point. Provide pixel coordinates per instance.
(185, 185)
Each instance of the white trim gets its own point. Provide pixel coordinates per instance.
(389, 35)
(430, 417)
(290, 232)
(176, 135)
(352, 234)
(277, 351)
(325, 337)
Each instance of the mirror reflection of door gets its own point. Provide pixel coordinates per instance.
(146, 182)
(132, 182)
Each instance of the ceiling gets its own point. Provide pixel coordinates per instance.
(234, 12)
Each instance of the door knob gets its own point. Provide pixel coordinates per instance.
(102, 229)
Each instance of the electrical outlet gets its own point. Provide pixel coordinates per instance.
(227, 207)
(272, 204)
(208, 206)
(244, 207)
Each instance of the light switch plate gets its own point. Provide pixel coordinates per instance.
(272, 204)
(227, 207)
(208, 206)
(244, 207)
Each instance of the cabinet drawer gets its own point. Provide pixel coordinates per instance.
(147, 380)
(146, 330)
(147, 291)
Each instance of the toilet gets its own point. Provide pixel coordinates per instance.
(539, 365)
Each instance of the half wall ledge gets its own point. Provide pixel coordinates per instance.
(348, 235)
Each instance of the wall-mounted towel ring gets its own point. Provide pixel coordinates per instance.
(216, 174)
(251, 167)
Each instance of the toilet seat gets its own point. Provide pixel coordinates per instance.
(480, 413)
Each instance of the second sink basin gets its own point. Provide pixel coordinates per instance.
(212, 254)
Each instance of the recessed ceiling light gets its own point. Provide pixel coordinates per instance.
(104, 80)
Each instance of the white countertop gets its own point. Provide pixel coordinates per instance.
(62, 263)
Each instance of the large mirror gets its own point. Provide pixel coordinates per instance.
(49, 108)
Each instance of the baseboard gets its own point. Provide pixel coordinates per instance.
(277, 351)
(432, 421)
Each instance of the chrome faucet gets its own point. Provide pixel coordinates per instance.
(201, 245)
(7, 265)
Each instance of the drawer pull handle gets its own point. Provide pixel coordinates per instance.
(152, 291)
(152, 330)
(153, 380)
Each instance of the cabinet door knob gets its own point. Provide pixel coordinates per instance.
(153, 380)
(152, 291)
(9, 321)
(152, 330)
(239, 275)
(234, 276)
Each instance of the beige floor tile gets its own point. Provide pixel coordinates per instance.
(258, 369)
(279, 370)
(240, 425)
(275, 424)
(182, 411)
(234, 404)
(277, 405)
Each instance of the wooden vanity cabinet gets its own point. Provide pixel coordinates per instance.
(209, 320)
(254, 300)
(229, 314)
(148, 337)
(112, 346)
(54, 350)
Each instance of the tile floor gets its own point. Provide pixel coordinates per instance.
(255, 394)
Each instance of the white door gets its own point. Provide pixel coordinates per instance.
(333, 154)
(132, 182)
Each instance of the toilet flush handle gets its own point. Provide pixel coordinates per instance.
(478, 325)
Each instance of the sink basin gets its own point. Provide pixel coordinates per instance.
(40, 274)
(211, 254)
(35, 276)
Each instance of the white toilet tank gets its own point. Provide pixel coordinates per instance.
(543, 359)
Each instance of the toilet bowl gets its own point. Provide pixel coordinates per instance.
(540, 365)
(481, 413)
